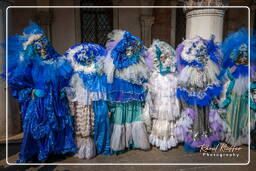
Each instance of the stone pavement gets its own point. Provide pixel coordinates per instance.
(176, 155)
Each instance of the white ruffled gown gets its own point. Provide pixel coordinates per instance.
(162, 110)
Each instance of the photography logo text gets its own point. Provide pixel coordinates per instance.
(221, 150)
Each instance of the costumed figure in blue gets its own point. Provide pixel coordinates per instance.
(162, 109)
(198, 85)
(253, 90)
(87, 95)
(37, 75)
(126, 70)
(234, 100)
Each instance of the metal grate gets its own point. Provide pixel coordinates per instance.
(96, 23)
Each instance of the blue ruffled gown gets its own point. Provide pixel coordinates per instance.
(97, 84)
(126, 74)
(88, 91)
(37, 85)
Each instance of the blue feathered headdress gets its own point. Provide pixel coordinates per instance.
(193, 52)
(33, 28)
(234, 46)
(23, 47)
(253, 56)
(36, 39)
(235, 52)
(127, 49)
(86, 57)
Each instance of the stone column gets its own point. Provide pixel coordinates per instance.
(173, 23)
(146, 20)
(146, 25)
(204, 21)
(116, 14)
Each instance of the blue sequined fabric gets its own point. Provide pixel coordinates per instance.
(37, 84)
(123, 91)
(199, 99)
(95, 82)
(101, 127)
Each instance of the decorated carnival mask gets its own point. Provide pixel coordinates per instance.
(132, 48)
(242, 57)
(41, 46)
(164, 57)
(127, 51)
(197, 49)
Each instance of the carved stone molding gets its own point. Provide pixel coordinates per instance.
(147, 20)
(195, 3)
(205, 12)
(203, 2)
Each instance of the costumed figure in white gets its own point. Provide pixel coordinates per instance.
(162, 110)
